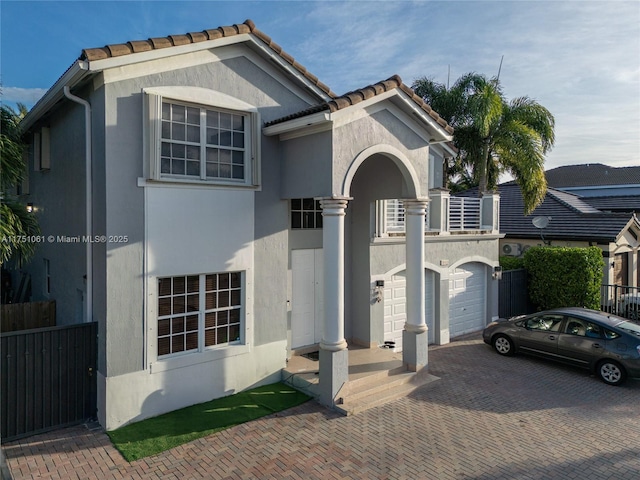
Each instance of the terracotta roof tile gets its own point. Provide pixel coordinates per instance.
(198, 37)
(136, 46)
(180, 39)
(157, 43)
(357, 96)
(140, 46)
(214, 33)
(119, 50)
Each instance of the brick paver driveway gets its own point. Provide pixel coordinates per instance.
(488, 417)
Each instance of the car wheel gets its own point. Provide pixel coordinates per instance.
(503, 345)
(611, 373)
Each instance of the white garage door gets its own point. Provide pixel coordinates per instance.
(395, 307)
(467, 299)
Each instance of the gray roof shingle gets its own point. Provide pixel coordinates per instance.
(592, 174)
(571, 217)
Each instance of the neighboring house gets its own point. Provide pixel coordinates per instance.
(237, 210)
(595, 180)
(573, 222)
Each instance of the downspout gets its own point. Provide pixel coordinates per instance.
(88, 197)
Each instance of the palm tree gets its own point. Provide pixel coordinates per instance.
(15, 222)
(492, 135)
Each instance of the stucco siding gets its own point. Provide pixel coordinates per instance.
(59, 201)
(381, 128)
(307, 166)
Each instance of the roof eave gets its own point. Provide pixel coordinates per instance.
(440, 133)
(308, 121)
(72, 77)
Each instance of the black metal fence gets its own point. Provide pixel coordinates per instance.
(621, 300)
(513, 296)
(48, 378)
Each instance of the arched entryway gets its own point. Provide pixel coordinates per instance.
(381, 173)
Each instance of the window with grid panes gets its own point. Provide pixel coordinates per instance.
(203, 143)
(199, 311)
(306, 213)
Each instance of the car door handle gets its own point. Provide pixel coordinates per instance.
(552, 337)
(596, 345)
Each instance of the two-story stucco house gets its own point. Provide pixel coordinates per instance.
(239, 210)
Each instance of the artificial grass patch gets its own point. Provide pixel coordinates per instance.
(155, 435)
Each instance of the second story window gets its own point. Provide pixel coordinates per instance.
(203, 143)
(306, 213)
(200, 136)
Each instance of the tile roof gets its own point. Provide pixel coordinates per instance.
(572, 218)
(337, 102)
(569, 221)
(361, 94)
(622, 203)
(592, 174)
(248, 27)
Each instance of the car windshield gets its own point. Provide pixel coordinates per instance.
(629, 327)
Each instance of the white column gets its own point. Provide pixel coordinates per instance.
(334, 356)
(414, 211)
(333, 250)
(415, 336)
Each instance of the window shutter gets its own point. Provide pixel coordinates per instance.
(45, 149)
(36, 152)
(151, 130)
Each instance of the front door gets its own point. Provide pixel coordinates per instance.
(307, 304)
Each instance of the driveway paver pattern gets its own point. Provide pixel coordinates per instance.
(488, 417)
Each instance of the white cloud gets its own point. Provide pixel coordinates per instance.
(28, 96)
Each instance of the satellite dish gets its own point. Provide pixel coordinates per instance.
(541, 222)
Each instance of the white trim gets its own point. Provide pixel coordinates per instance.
(161, 53)
(203, 98)
(401, 161)
(316, 120)
(474, 259)
(301, 126)
(200, 95)
(76, 72)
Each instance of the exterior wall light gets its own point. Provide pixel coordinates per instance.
(29, 207)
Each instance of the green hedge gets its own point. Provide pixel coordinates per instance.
(564, 277)
(511, 263)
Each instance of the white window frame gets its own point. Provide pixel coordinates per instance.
(202, 313)
(204, 99)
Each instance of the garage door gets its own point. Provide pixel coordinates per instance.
(467, 299)
(395, 307)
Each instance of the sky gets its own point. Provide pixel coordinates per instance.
(579, 59)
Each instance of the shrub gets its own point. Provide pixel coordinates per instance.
(564, 277)
(511, 263)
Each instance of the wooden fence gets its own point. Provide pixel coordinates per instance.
(24, 316)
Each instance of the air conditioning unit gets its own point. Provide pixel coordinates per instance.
(512, 249)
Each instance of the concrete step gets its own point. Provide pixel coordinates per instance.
(369, 394)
